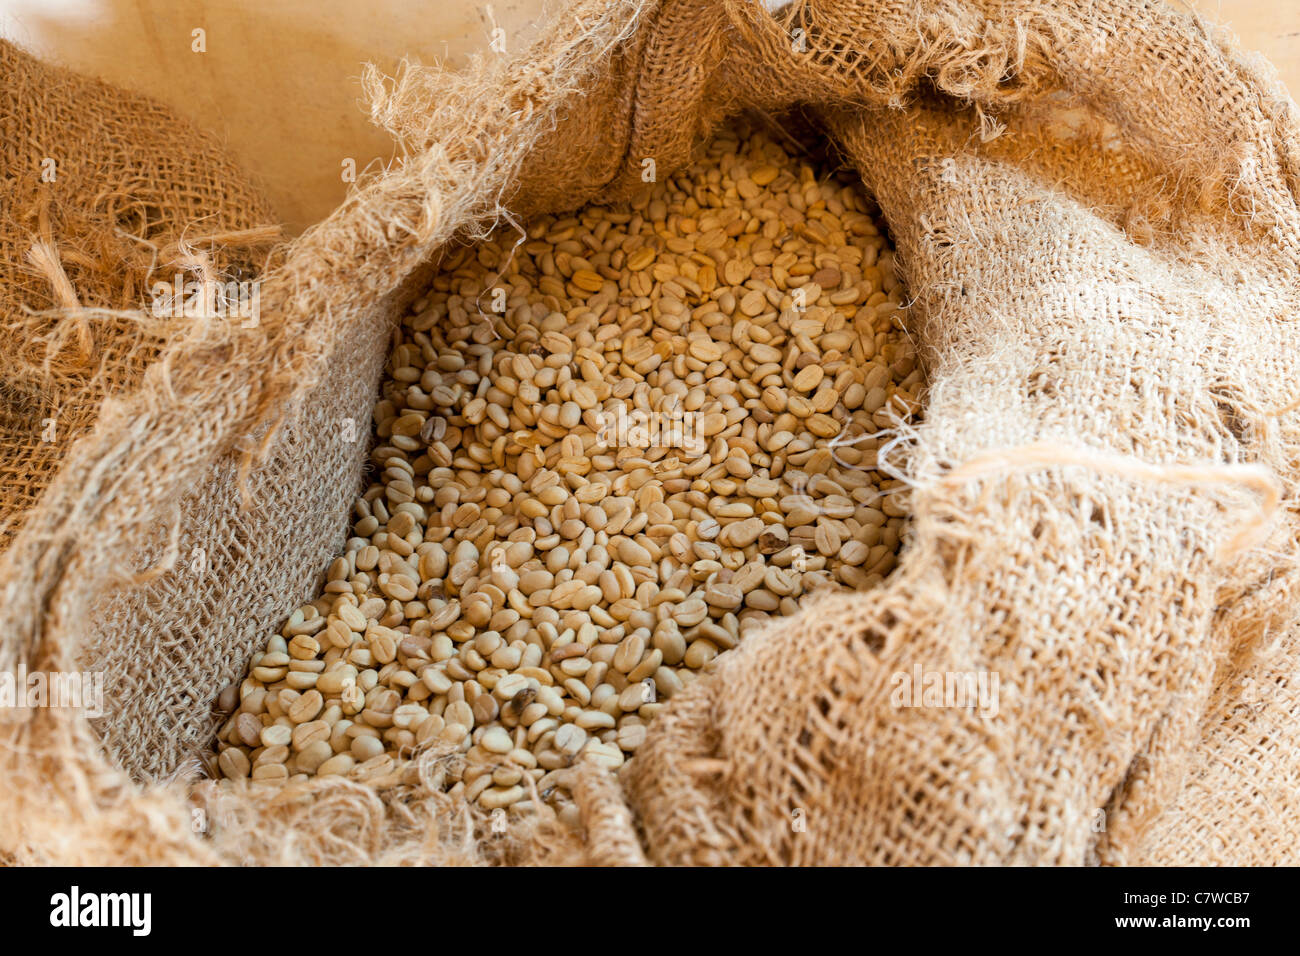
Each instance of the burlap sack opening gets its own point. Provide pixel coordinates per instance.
(1101, 488)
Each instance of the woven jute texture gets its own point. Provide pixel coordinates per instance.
(1094, 203)
(103, 194)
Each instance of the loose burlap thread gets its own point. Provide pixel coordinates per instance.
(1101, 490)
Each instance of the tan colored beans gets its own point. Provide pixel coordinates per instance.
(604, 455)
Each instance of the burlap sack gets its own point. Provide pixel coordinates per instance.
(1094, 204)
(104, 193)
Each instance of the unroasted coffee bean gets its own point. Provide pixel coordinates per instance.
(604, 454)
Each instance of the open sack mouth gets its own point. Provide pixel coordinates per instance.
(648, 487)
(609, 445)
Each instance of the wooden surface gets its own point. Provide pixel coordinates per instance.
(280, 78)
